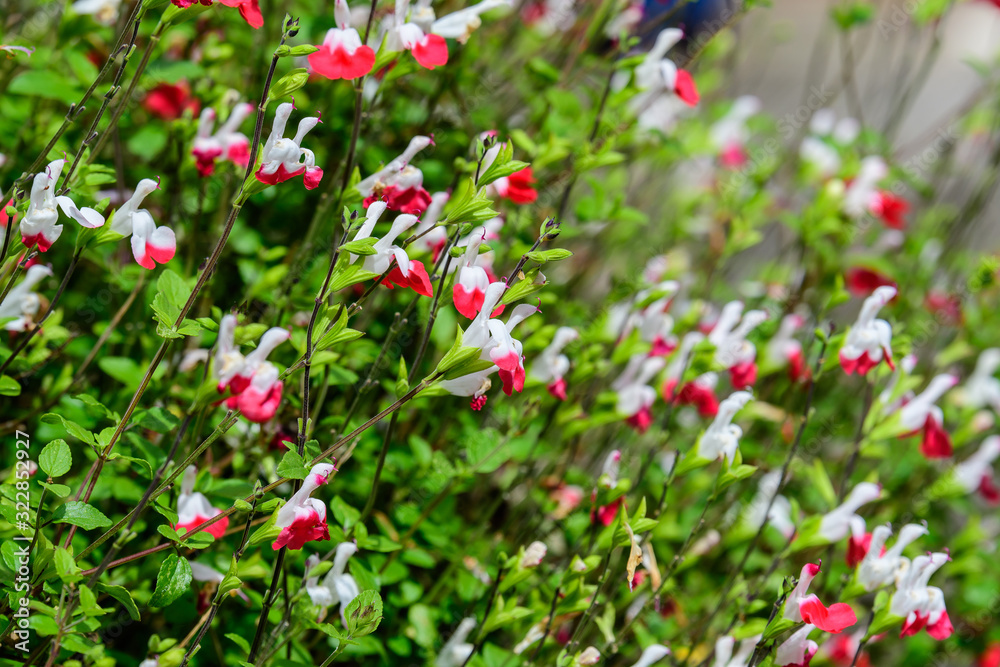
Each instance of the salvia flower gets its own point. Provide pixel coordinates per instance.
(921, 606)
(657, 74)
(284, 158)
(729, 135)
(226, 143)
(982, 389)
(802, 606)
(608, 478)
(428, 49)
(457, 650)
(976, 472)
(836, 524)
(104, 12)
(551, 366)
(880, 566)
(921, 415)
(732, 349)
(797, 650)
(39, 226)
(398, 183)
(318, 593)
(252, 380)
(652, 654)
(635, 395)
(473, 279)
(700, 392)
(870, 339)
(249, 9)
(303, 519)
(193, 508)
(458, 25)
(785, 350)
(533, 554)
(151, 245)
(169, 101)
(588, 656)
(340, 585)
(406, 272)
(342, 55)
(518, 187)
(724, 655)
(21, 304)
(722, 437)
(779, 514)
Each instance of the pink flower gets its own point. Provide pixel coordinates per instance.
(552, 365)
(169, 101)
(303, 519)
(797, 650)
(249, 10)
(399, 184)
(228, 143)
(920, 415)
(870, 339)
(193, 508)
(151, 245)
(518, 187)
(470, 287)
(406, 272)
(801, 606)
(342, 55)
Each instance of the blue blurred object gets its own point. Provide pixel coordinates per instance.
(692, 16)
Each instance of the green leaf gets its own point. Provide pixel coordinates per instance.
(121, 594)
(364, 614)
(172, 581)
(292, 466)
(9, 386)
(553, 255)
(81, 514)
(56, 458)
(365, 246)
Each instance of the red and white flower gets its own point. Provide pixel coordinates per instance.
(921, 606)
(338, 587)
(21, 304)
(406, 273)
(976, 472)
(780, 513)
(836, 524)
(428, 49)
(800, 606)
(151, 245)
(227, 143)
(398, 183)
(982, 389)
(283, 158)
(470, 287)
(342, 55)
(880, 566)
(657, 74)
(785, 350)
(551, 366)
(870, 339)
(39, 226)
(193, 508)
(430, 237)
(729, 135)
(722, 437)
(303, 519)
(921, 415)
(797, 650)
(252, 380)
(699, 392)
(732, 349)
(635, 395)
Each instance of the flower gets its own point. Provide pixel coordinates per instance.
(870, 339)
(730, 134)
(457, 650)
(976, 472)
(724, 656)
(635, 396)
(861, 193)
(407, 272)
(341, 588)
(722, 437)
(836, 524)
(588, 656)
(921, 415)
(252, 380)
(921, 606)
(470, 288)
(168, 101)
(880, 566)
(429, 50)
(651, 654)
(342, 55)
(193, 508)
(657, 74)
(303, 519)
(732, 349)
(39, 226)
(783, 349)
(104, 12)
(283, 158)
(779, 514)
(981, 388)
(551, 365)
(318, 593)
(533, 554)
(797, 650)
(700, 392)
(800, 606)
(494, 338)
(151, 245)
(249, 10)
(567, 498)
(608, 478)
(458, 25)
(21, 304)
(862, 281)
(399, 183)
(227, 143)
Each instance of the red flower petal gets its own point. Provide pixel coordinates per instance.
(431, 51)
(685, 88)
